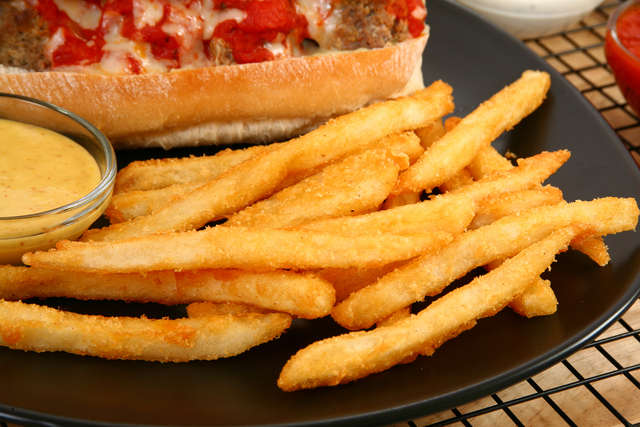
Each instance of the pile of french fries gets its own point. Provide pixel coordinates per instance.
(357, 220)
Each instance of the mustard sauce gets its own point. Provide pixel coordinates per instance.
(41, 170)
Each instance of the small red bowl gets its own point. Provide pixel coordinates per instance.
(623, 27)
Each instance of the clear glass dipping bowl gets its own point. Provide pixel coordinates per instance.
(41, 231)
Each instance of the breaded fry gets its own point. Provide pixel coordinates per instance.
(236, 247)
(431, 273)
(351, 356)
(39, 328)
(160, 173)
(457, 148)
(258, 177)
(132, 204)
(488, 161)
(300, 294)
(358, 184)
(452, 215)
(500, 205)
(538, 299)
(530, 172)
(126, 206)
(345, 281)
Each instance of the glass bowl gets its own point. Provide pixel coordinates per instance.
(41, 231)
(623, 63)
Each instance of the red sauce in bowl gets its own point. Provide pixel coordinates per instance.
(622, 50)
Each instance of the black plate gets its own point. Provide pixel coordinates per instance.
(477, 60)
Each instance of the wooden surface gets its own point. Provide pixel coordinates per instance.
(580, 403)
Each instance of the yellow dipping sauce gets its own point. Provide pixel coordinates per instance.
(40, 170)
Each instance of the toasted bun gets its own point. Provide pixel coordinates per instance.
(258, 103)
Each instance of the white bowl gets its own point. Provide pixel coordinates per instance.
(527, 19)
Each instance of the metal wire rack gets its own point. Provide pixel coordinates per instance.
(599, 385)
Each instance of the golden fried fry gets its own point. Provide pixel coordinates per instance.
(236, 247)
(457, 148)
(160, 173)
(529, 173)
(258, 177)
(397, 200)
(500, 205)
(431, 273)
(488, 161)
(358, 184)
(595, 248)
(206, 309)
(302, 295)
(538, 299)
(132, 204)
(348, 280)
(126, 206)
(39, 328)
(430, 133)
(452, 215)
(351, 356)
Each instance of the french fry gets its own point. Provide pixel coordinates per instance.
(358, 184)
(529, 173)
(205, 309)
(402, 142)
(397, 200)
(538, 299)
(488, 161)
(345, 281)
(351, 356)
(127, 206)
(299, 294)
(451, 215)
(258, 177)
(595, 248)
(497, 206)
(39, 328)
(154, 174)
(412, 217)
(463, 177)
(429, 274)
(430, 133)
(302, 295)
(457, 148)
(236, 247)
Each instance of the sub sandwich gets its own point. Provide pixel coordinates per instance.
(189, 72)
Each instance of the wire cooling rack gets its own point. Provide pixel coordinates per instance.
(598, 386)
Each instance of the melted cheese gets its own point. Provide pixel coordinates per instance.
(86, 15)
(146, 13)
(192, 24)
(211, 18)
(317, 12)
(117, 49)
